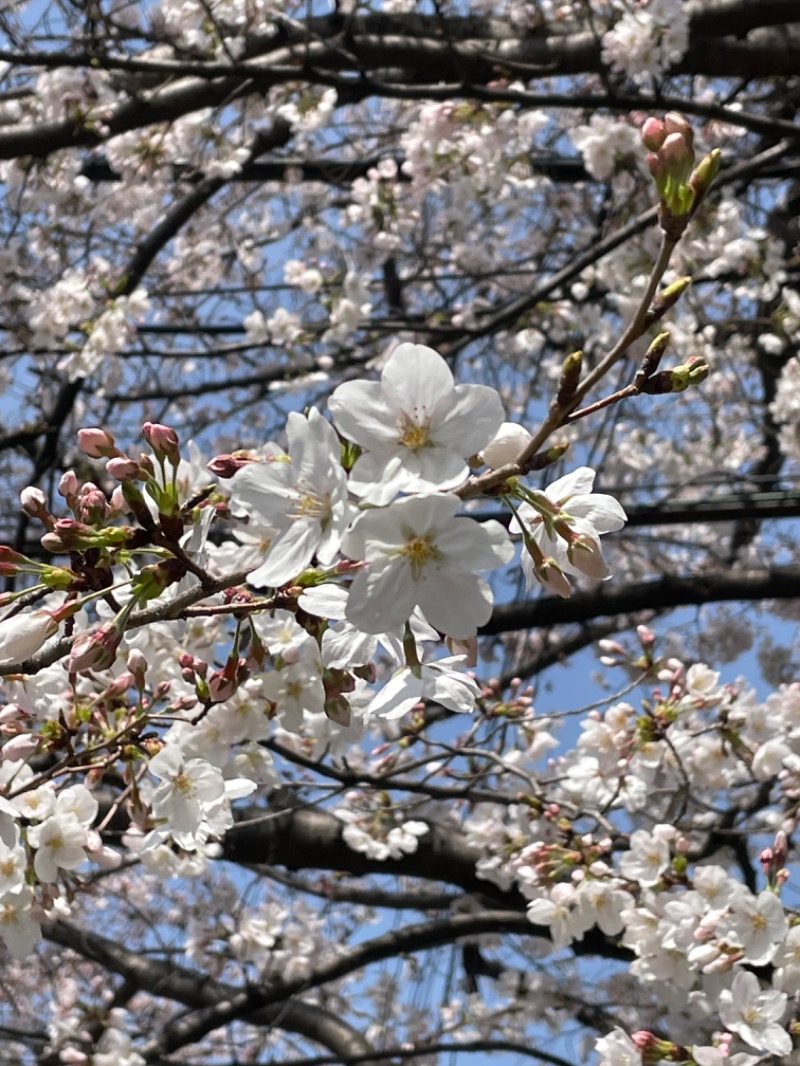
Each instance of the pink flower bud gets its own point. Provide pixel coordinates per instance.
(97, 443)
(221, 686)
(163, 440)
(552, 577)
(121, 467)
(675, 122)
(677, 156)
(11, 562)
(226, 465)
(68, 485)
(653, 133)
(95, 650)
(33, 502)
(91, 505)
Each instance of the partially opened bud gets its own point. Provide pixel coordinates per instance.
(68, 484)
(678, 157)
(22, 635)
(33, 503)
(96, 650)
(550, 574)
(506, 446)
(226, 465)
(585, 555)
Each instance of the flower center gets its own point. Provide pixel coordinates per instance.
(414, 435)
(419, 551)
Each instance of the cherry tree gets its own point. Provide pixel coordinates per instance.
(368, 366)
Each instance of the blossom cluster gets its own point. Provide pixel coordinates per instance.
(352, 537)
(695, 931)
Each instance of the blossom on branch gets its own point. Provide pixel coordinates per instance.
(418, 553)
(416, 427)
(562, 527)
(304, 498)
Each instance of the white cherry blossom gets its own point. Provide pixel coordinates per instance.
(416, 427)
(304, 499)
(418, 553)
(755, 1014)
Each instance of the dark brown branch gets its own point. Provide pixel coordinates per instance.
(166, 979)
(779, 583)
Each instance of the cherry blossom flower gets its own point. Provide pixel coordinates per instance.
(59, 842)
(13, 864)
(297, 690)
(437, 681)
(617, 1049)
(563, 530)
(18, 927)
(757, 924)
(416, 427)
(648, 857)
(558, 912)
(304, 499)
(755, 1015)
(187, 788)
(419, 553)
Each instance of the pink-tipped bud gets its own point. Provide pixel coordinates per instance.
(678, 157)
(33, 503)
(121, 467)
(91, 505)
(97, 443)
(96, 650)
(226, 465)
(653, 133)
(137, 665)
(12, 563)
(163, 440)
(675, 122)
(553, 578)
(68, 484)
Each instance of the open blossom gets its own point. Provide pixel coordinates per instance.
(757, 924)
(187, 788)
(419, 553)
(437, 681)
(59, 843)
(649, 856)
(304, 499)
(18, 928)
(617, 1049)
(416, 426)
(563, 535)
(755, 1015)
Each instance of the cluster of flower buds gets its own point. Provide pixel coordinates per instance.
(681, 186)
